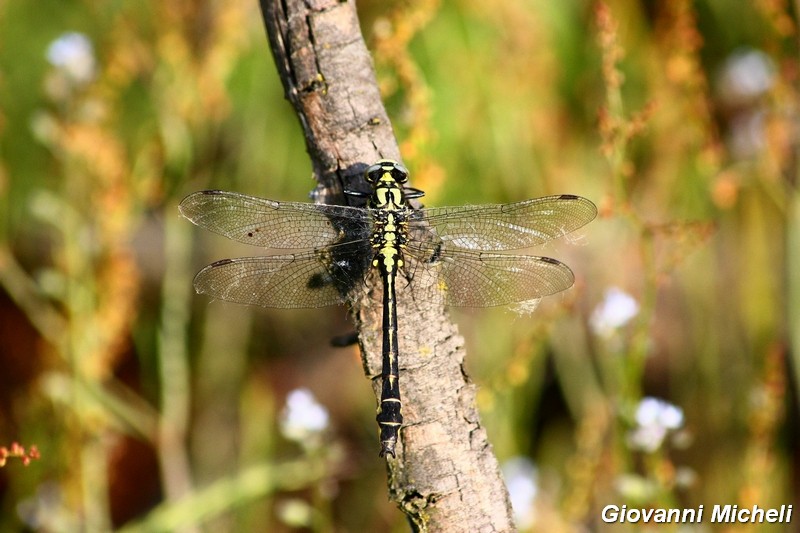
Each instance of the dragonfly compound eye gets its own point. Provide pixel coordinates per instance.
(399, 172)
(374, 172)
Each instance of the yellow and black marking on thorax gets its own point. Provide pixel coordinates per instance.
(390, 210)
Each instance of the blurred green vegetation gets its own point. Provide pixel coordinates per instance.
(152, 406)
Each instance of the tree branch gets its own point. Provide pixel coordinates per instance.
(327, 76)
(445, 477)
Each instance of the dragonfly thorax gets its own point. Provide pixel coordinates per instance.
(387, 179)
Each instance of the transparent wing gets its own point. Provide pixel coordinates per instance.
(486, 279)
(445, 242)
(500, 226)
(270, 224)
(310, 279)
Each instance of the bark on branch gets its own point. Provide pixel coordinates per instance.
(445, 477)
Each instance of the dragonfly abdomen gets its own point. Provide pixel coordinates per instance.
(390, 215)
(389, 416)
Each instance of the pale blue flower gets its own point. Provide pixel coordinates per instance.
(302, 417)
(747, 73)
(655, 418)
(616, 310)
(73, 54)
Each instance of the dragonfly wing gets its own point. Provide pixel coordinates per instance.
(311, 279)
(505, 226)
(271, 224)
(486, 279)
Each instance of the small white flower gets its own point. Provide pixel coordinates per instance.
(521, 479)
(616, 310)
(303, 417)
(73, 54)
(747, 73)
(652, 411)
(745, 77)
(647, 438)
(655, 418)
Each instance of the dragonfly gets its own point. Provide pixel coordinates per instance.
(325, 252)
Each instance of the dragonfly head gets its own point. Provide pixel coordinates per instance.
(386, 171)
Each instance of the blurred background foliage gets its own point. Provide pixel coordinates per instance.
(666, 377)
